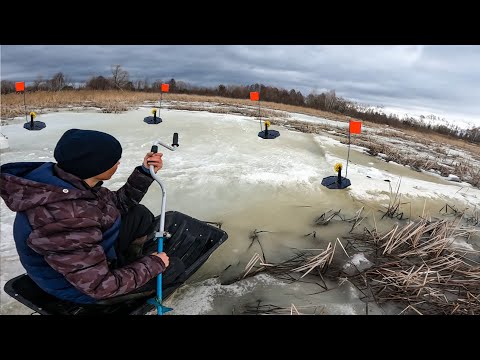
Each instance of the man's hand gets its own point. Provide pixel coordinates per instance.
(154, 159)
(164, 258)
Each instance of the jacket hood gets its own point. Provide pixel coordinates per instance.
(25, 185)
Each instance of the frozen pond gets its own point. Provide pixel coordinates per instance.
(224, 172)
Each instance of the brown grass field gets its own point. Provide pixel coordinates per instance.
(12, 104)
(119, 101)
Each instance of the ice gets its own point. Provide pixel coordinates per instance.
(222, 171)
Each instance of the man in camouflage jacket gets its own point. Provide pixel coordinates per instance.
(68, 226)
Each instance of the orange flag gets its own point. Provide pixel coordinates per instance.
(355, 127)
(254, 96)
(20, 86)
(165, 87)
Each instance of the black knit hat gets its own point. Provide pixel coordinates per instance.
(86, 153)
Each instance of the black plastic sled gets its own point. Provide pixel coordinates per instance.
(191, 240)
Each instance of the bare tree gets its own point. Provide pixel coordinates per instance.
(138, 84)
(330, 99)
(57, 82)
(173, 85)
(38, 83)
(7, 86)
(146, 84)
(182, 86)
(156, 85)
(69, 83)
(119, 77)
(99, 83)
(342, 104)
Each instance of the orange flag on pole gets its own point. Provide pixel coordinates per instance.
(165, 87)
(254, 96)
(355, 127)
(20, 86)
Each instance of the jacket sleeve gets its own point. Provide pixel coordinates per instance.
(133, 191)
(78, 255)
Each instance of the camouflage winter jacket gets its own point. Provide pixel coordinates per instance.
(67, 225)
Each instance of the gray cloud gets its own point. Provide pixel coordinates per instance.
(428, 79)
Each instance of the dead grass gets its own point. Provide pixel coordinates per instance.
(113, 101)
(419, 267)
(264, 113)
(302, 264)
(311, 128)
(269, 309)
(425, 158)
(107, 101)
(12, 104)
(445, 140)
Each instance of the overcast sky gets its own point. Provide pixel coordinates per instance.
(413, 79)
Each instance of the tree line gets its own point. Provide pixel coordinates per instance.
(326, 101)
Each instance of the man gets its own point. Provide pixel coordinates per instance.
(77, 240)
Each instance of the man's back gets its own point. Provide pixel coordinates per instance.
(65, 231)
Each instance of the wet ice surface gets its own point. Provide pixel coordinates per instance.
(224, 172)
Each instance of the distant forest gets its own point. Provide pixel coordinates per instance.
(327, 101)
